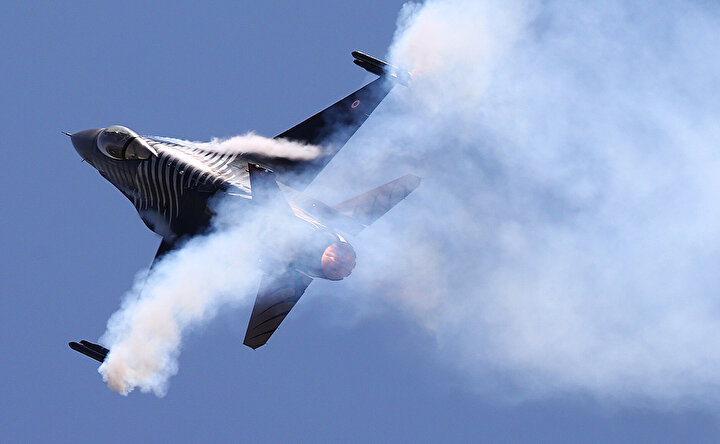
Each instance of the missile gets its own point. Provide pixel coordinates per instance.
(95, 351)
(380, 67)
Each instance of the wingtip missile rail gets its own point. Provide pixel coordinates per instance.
(95, 351)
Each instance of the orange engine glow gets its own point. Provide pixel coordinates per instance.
(338, 261)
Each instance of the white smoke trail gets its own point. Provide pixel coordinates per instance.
(185, 289)
(252, 143)
(566, 234)
(569, 212)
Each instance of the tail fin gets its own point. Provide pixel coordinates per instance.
(369, 207)
(265, 189)
(262, 184)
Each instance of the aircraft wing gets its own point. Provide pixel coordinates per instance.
(277, 295)
(332, 127)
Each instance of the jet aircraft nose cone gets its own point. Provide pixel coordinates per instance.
(84, 142)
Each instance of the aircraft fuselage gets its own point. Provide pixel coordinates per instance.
(173, 185)
(172, 188)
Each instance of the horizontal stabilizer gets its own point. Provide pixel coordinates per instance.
(368, 207)
(95, 351)
(316, 212)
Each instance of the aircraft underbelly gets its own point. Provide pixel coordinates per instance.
(157, 222)
(193, 217)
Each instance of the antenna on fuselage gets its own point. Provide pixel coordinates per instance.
(66, 133)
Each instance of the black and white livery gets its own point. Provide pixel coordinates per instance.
(172, 184)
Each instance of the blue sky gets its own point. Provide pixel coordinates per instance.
(72, 244)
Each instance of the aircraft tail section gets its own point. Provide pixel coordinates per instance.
(370, 206)
(263, 185)
(265, 189)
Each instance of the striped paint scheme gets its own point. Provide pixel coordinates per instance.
(159, 183)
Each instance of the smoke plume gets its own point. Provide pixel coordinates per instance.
(185, 289)
(566, 236)
(252, 143)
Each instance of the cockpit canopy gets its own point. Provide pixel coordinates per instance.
(121, 143)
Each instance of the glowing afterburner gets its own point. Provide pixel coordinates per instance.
(338, 261)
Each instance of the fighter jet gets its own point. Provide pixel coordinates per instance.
(172, 184)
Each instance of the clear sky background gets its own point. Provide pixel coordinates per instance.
(71, 244)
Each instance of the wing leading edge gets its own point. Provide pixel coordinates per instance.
(332, 127)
